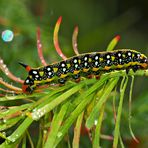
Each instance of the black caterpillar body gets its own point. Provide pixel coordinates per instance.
(85, 65)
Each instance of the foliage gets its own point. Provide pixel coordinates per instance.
(68, 115)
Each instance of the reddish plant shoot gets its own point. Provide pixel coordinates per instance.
(55, 39)
(39, 47)
(4, 68)
(113, 43)
(11, 87)
(74, 40)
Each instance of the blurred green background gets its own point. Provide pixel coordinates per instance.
(98, 21)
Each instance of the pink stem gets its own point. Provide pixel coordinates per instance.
(6, 91)
(39, 46)
(10, 86)
(4, 68)
(74, 40)
(55, 39)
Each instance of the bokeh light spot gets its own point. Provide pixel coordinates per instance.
(7, 35)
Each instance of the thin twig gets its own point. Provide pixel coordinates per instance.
(55, 39)
(39, 47)
(4, 68)
(74, 40)
(16, 89)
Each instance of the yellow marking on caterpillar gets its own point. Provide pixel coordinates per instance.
(107, 67)
(63, 75)
(119, 66)
(68, 65)
(143, 56)
(30, 76)
(123, 55)
(76, 71)
(55, 69)
(41, 73)
(100, 59)
(95, 69)
(37, 82)
(85, 70)
(49, 80)
(112, 58)
(89, 60)
(133, 55)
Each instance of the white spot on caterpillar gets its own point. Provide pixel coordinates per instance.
(75, 61)
(96, 57)
(27, 81)
(49, 73)
(138, 55)
(64, 69)
(108, 56)
(129, 53)
(85, 64)
(108, 61)
(76, 65)
(85, 59)
(120, 60)
(34, 72)
(119, 54)
(63, 65)
(48, 69)
(96, 63)
(36, 76)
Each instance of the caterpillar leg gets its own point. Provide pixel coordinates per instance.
(76, 77)
(127, 70)
(62, 81)
(27, 89)
(97, 74)
(135, 68)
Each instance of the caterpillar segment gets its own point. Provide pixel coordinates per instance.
(84, 65)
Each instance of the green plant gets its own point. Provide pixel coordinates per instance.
(57, 109)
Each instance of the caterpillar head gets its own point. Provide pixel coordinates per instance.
(26, 87)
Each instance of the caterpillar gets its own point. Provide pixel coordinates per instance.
(84, 65)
